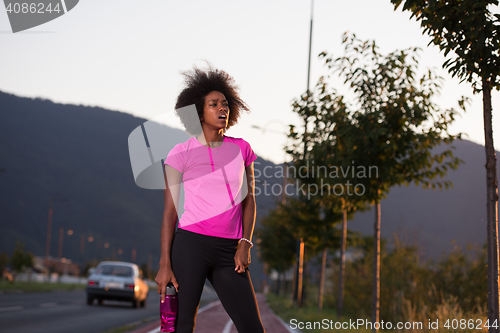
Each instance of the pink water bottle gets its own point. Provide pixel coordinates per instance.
(168, 310)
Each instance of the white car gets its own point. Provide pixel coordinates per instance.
(117, 280)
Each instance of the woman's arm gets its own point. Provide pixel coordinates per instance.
(242, 257)
(165, 274)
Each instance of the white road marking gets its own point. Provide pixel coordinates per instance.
(48, 305)
(228, 326)
(12, 308)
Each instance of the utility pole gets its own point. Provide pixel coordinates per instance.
(49, 229)
(134, 254)
(82, 246)
(61, 238)
(49, 222)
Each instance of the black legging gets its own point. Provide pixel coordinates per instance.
(196, 257)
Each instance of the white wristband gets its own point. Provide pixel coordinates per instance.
(246, 240)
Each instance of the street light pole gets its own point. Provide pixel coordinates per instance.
(306, 119)
(300, 254)
(310, 44)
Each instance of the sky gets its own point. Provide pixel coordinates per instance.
(127, 56)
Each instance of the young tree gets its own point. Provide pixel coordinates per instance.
(21, 259)
(397, 125)
(277, 246)
(471, 32)
(299, 218)
(280, 229)
(326, 160)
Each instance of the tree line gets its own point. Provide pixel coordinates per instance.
(394, 123)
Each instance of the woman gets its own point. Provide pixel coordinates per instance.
(213, 239)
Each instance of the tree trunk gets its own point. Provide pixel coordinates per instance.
(306, 283)
(342, 261)
(322, 281)
(300, 274)
(492, 211)
(376, 267)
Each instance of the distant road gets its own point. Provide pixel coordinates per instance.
(63, 312)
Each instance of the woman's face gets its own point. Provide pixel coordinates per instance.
(215, 110)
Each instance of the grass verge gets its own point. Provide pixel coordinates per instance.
(307, 318)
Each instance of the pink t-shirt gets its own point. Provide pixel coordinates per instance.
(214, 185)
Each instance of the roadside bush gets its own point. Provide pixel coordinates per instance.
(413, 289)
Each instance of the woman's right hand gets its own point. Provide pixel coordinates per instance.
(164, 276)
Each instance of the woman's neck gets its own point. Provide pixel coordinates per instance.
(211, 138)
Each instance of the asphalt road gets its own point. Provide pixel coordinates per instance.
(63, 312)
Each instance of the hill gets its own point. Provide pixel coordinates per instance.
(51, 150)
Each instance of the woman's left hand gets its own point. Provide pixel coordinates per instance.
(242, 257)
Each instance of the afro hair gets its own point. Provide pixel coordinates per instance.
(198, 84)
